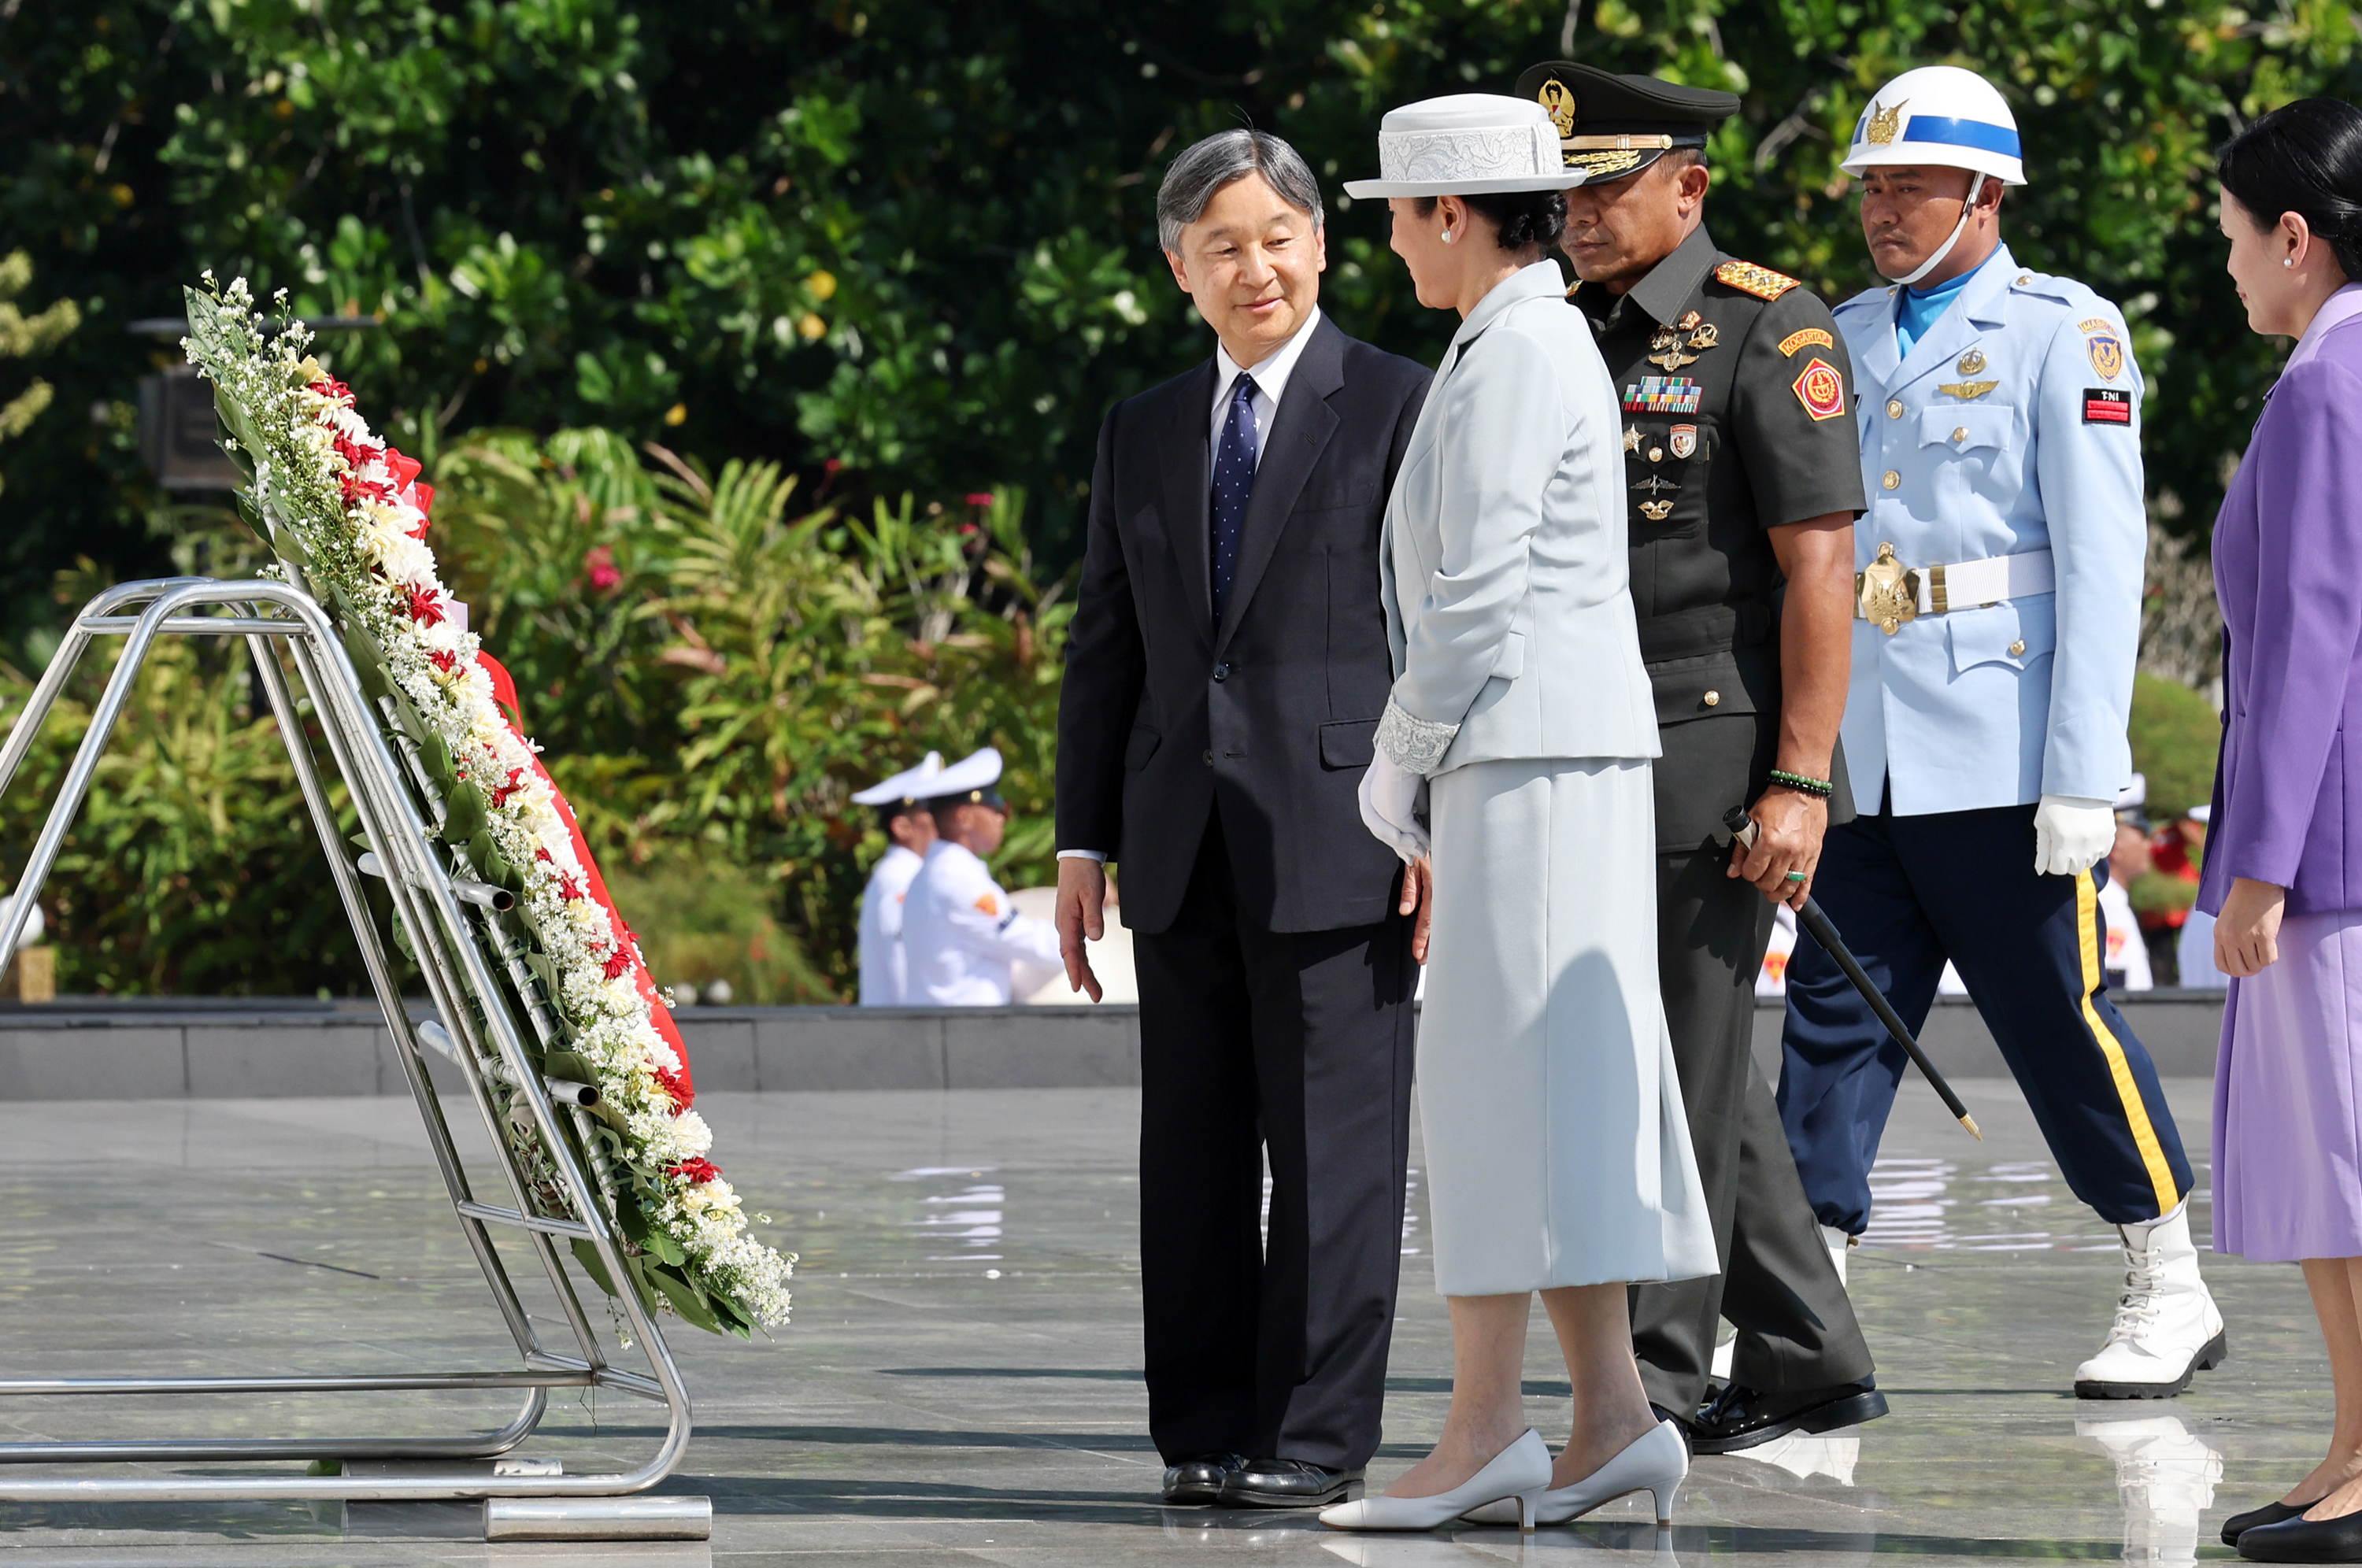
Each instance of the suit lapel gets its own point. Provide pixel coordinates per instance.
(1956, 330)
(1299, 434)
(1188, 493)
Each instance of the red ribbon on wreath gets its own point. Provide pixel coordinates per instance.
(680, 1085)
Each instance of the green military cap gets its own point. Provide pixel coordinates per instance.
(1611, 126)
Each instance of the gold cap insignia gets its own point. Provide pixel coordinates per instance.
(1564, 107)
(1885, 124)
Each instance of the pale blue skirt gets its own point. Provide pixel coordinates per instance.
(1557, 1150)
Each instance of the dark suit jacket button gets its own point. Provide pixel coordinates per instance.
(1209, 760)
(1222, 672)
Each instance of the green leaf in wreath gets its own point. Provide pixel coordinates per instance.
(401, 938)
(572, 1066)
(588, 1256)
(368, 663)
(435, 752)
(684, 1295)
(463, 812)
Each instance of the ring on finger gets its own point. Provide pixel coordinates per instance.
(1797, 877)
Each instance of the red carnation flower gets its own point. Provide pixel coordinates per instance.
(618, 963)
(696, 1170)
(334, 390)
(542, 855)
(500, 792)
(426, 606)
(673, 1086)
(568, 887)
(445, 662)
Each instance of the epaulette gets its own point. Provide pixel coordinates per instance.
(1749, 279)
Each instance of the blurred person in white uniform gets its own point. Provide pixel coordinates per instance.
(964, 941)
(2194, 952)
(901, 803)
(2123, 956)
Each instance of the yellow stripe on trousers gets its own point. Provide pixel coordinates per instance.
(2087, 922)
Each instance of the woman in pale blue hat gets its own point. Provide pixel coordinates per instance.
(1558, 1156)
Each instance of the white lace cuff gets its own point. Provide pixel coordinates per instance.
(1416, 745)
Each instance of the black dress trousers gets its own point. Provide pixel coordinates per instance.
(1297, 1044)
(1778, 1288)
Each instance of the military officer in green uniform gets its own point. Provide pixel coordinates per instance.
(1743, 476)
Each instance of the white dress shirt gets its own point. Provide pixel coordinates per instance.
(1270, 375)
(963, 939)
(883, 972)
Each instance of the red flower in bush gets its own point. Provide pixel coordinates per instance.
(979, 498)
(426, 606)
(598, 565)
(696, 1170)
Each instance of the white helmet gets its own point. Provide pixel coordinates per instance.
(1940, 114)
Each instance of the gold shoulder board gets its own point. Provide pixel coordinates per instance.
(1749, 279)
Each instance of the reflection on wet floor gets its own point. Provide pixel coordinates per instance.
(1929, 1203)
(2166, 1477)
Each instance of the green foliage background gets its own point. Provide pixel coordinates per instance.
(906, 247)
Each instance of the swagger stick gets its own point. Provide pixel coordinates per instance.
(1742, 828)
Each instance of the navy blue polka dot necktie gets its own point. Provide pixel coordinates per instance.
(1234, 470)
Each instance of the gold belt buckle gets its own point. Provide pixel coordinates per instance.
(1887, 592)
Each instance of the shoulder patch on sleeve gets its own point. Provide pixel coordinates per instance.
(2107, 406)
(1811, 335)
(987, 904)
(1749, 279)
(1821, 389)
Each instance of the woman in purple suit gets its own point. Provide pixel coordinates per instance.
(2284, 860)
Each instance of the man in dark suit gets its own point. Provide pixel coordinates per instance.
(1225, 673)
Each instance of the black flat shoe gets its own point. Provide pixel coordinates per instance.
(1289, 1483)
(1742, 1417)
(1200, 1480)
(2238, 1525)
(2301, 1539)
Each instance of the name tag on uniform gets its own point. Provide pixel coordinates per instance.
(2107, 406)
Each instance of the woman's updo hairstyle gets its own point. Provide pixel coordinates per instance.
(2303, 158)
(1522, 220)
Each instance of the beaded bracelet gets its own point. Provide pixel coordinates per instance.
(1799, 782)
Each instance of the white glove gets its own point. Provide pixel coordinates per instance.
(2071, 834)
(1389, 796)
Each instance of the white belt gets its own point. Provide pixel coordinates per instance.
(1961, 585)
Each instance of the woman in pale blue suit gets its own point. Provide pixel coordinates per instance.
(1558, 1156)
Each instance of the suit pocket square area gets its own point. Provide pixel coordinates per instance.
(1349, 743)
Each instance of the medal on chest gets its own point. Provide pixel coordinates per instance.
(1692, 331)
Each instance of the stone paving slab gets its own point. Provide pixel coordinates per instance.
(961, 1384)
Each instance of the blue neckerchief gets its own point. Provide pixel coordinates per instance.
(1922, 309)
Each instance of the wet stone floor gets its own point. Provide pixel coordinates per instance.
(961, 1383)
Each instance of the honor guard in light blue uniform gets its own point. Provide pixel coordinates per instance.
(901, 805)
(1999, 615)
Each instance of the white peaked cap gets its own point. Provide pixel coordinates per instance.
(977, 770)
(1466, 145)
(1940, 115)
(911, 784)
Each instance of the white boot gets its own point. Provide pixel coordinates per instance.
(2167, 1328)
(1838, 1243)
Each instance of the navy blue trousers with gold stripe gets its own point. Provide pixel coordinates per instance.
(1906, 893)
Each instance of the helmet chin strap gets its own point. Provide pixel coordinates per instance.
(1960, 228)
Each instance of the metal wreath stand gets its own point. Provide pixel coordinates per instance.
(463, 949)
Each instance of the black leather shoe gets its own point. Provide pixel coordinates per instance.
(2238, 1525)
(2303, 1541)
(1289, 1483)
(1742, 1417)
(1200, 1480)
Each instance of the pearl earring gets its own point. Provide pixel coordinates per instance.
(2288, 260)
(1447, 237)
